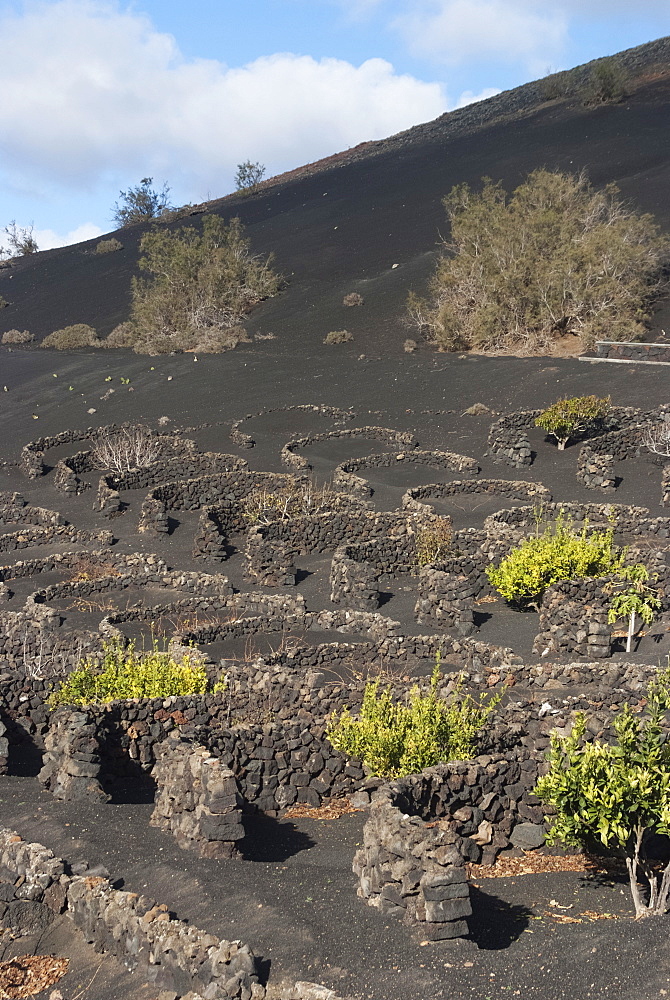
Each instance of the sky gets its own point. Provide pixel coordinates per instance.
(98, 94)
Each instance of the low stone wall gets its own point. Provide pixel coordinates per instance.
(170, 954)
(395, 439)
(244, 440)
(4, 749)
(15, 508)
(445, 600)
(28, 538)
(190, 465)
(345, 476)
(616, 350)
(414, 499)
(205, 491)
(573, 620)
(508, 438)
(197, 801)
(354, 581)
(595, 471)
(422, 829)
(665, 487)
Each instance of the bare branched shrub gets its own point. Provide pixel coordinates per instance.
(353, 299)
(556, 257)
(338, 337)
(18, 337)
(126, 449)
(88, 569)
(293, 500)
(20, 241)
(434, 541)
(656, 437)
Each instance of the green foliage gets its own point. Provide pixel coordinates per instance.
(434, 541)
(557, 553)
(108, 246)
(338, 337)
(617, 794)
(555, 85)
(633, 596)
(126, 673)
(556, 257)
(608, 82)
(141, 203)
(249, 175)
(393, 738)
(200, 285)
(70, 337)
(567, 417)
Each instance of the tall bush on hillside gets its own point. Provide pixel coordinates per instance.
(19, 239)
(555, 257)
(141, 203)
(199, 286)
(249, 175)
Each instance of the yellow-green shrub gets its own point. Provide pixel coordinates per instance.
(70, 337)
(395, 738)
(126, 673)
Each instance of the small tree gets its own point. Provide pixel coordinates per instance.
(141, 203)
(633, 598)
(568, 417)
(394, 738)
(249, 175)
(617, 794)
(607, 82)
(20, 241)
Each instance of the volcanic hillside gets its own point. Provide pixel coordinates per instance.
(369, 220)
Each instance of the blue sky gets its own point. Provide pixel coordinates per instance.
(100, 93)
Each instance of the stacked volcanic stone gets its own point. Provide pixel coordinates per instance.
(72, 761)
(33, 885)
(665, 487)
(4, 747)
(269, 562)
(573, 620)
(353, 582)
(197, 800)
(595, 471)
(618, 350)
(445, 599)
(508, 438)
(215, 525)
(399, 439)
(68, 470)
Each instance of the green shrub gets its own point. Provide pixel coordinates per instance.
(126, 673)
(200, 286)
(607, 82)
(568, 417)
(141, 203)
(617, 794)
(338, 337)
(557, 553)
(434, 541)
(248, 176)
(633, 598)
(17, 337)
(393, 738)
(108, 246)
(70, 337)
(556, 257)
(556, 85)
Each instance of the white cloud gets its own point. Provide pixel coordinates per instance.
(455, 31)
(90, 91)
(47, 239)
(467, 97)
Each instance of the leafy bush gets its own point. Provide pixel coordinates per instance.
(607, 82)
(556, 85)
(249, 175)
(353, 299)
(338, 337)
(618, 794)
(126, 673)
(141, 203)
(555, 257)
(123, 335)
(70, 337)
(17, 337)
(633, 598)
(434, 541)
(108, 246)
(558, 553)
(568, 417)
(200, 286)
(393, 739)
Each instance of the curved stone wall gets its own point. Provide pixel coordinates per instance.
(345, 473)
(395, 439)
